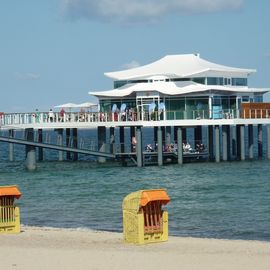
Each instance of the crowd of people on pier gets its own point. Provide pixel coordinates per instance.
(172, 147)
(63, 116)
(83, 116)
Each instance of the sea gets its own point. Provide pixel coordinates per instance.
(226, 200)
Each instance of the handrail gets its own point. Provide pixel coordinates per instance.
(56, 147)
(7, 119)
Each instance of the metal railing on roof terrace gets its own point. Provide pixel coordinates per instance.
(33, 118)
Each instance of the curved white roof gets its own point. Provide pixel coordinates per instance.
(173, 88)
(183, 65)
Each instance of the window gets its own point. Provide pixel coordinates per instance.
(199, 80)
(216, 101)
(227, 81)
(215, 81)
(118, 84)
(138, 81)
(239, 81)
(258, 98)
(245, 99)
(180, 79)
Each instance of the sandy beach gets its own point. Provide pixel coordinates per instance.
(47, 248)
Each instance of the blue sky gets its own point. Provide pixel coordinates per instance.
(55, 51)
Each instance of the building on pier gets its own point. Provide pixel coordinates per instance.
(179, 87)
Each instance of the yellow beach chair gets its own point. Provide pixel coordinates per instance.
(9, 212)
(144, 221)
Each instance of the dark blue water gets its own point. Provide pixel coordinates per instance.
(227, 200)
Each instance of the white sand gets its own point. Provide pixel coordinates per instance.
(40, 248)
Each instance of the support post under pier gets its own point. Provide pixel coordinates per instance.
(250, 142)
(139, 147)
(160, 146)
(224, 143)
(40, 140)
(75, 142)
(122, 144)
(60, 142)
(68, 143)
(155, 136)
(102, 143)
(217, 144)
(30, 161)
(180, 145)
(11, 146)
(234, 142)
(260, 141)
(210, 143)
(238, 143)
(122, 139)
(132, 136)
(229, 142)
(112, 140)
(242, 142)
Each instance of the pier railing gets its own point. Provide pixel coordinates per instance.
(96, 117)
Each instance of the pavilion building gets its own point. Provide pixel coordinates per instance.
(180, 87)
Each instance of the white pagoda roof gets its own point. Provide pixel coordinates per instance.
(180, 66)
(173, 88)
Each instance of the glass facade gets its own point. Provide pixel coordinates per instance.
(197, 107)
(181, 107)
(186, 107)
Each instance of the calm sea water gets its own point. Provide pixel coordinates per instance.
(227, 200)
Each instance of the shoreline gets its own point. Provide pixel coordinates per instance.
(57, 248)
(87, 229)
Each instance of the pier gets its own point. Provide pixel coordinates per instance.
(223, 139)
(190, 108)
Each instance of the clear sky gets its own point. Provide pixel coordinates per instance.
(55, 51)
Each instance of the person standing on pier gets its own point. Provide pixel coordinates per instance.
(62, 115)
(51, 115)
(37, 115)
(133, 144)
